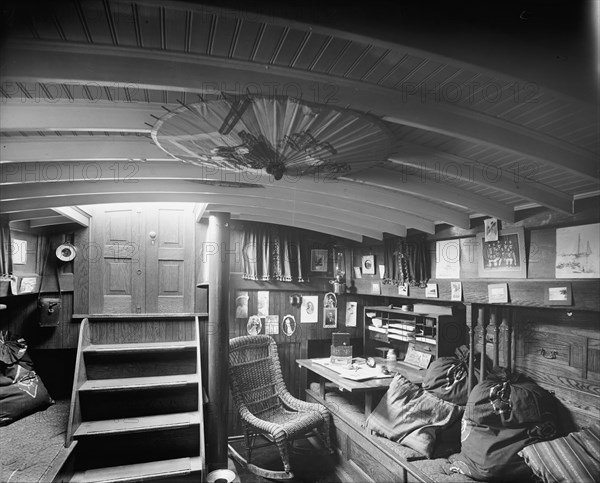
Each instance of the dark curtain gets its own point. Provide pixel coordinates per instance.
(6, 266)
(405, 262)
(273, 253)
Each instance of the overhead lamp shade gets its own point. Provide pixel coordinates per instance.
(278, 134)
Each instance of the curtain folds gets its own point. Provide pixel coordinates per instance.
(405, 262)
(6, 265)
(272, 253)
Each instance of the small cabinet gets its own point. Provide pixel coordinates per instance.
(435, 330)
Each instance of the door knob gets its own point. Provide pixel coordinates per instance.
(152, 236)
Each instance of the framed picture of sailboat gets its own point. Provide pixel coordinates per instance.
(578, 251)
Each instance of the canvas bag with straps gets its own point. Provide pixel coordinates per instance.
(49, 305)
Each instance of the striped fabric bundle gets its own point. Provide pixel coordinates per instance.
(573, 458)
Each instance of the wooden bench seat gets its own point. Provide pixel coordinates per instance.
(363, 456)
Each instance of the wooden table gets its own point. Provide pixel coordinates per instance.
(368, 386)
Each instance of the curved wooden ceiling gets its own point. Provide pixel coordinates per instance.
(83, 82)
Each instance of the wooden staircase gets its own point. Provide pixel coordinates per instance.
(137, 402)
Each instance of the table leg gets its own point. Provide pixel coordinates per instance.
(368, 403)
(322, 386)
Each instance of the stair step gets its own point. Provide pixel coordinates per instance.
(141, 471)
(138, 383)
(140, 347)
(137, 424)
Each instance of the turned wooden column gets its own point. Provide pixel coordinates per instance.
(493, 328)
(505, 327)
(482, 322)
(471, 323)
(216, 252)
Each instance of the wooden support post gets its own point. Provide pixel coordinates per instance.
(216, 254)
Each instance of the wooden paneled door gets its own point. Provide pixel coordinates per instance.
(142, 259)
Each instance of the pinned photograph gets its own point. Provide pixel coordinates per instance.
(272, 324)
(456, 291)
(351, 308)
(308, 310)
(288, 325)
(254, 326)
(263, 303)
(431, 291)
(403, 289)
(241, 305)
(491, 229)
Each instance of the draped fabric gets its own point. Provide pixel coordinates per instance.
(6, 266)
(255, 132)
(405, 262)
(273, 253)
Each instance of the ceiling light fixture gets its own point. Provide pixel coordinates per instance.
(279, 135)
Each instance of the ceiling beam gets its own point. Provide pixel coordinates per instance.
(396, 180)
(101, 116)
(131, 173)
(74, 214)
(57, 62)
(79, 148)
(426, 161)
(257, 197)
(199, 211)
(31, 215)
(49, 221)
(307, 226)
(318, 220)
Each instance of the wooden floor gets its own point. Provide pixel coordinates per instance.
(309, 464)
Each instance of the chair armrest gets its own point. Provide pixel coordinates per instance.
(300, 405)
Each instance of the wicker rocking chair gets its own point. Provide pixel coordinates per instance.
(265, 405)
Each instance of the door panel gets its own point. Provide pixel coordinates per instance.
(146, 262)
(169, 263)
(116, 278)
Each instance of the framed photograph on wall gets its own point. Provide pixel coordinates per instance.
(318, 260)
(503, 258)
(498, 293)
(330, 317)
(368, 265)
(559, 294)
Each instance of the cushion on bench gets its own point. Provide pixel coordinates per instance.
(410, 415)
(575, 457)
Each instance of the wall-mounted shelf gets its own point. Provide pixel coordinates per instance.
(435, 330)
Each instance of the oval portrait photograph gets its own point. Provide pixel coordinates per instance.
(254, 326)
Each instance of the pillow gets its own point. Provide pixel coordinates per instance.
(22, 392)
(409, 415)
(573, 458)
(448, 377)
(25, 396)
(504, 414)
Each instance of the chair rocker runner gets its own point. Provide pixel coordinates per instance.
(265, 406)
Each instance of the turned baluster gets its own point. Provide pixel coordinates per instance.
(471, 323)
(506, 328)
(482, 322)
